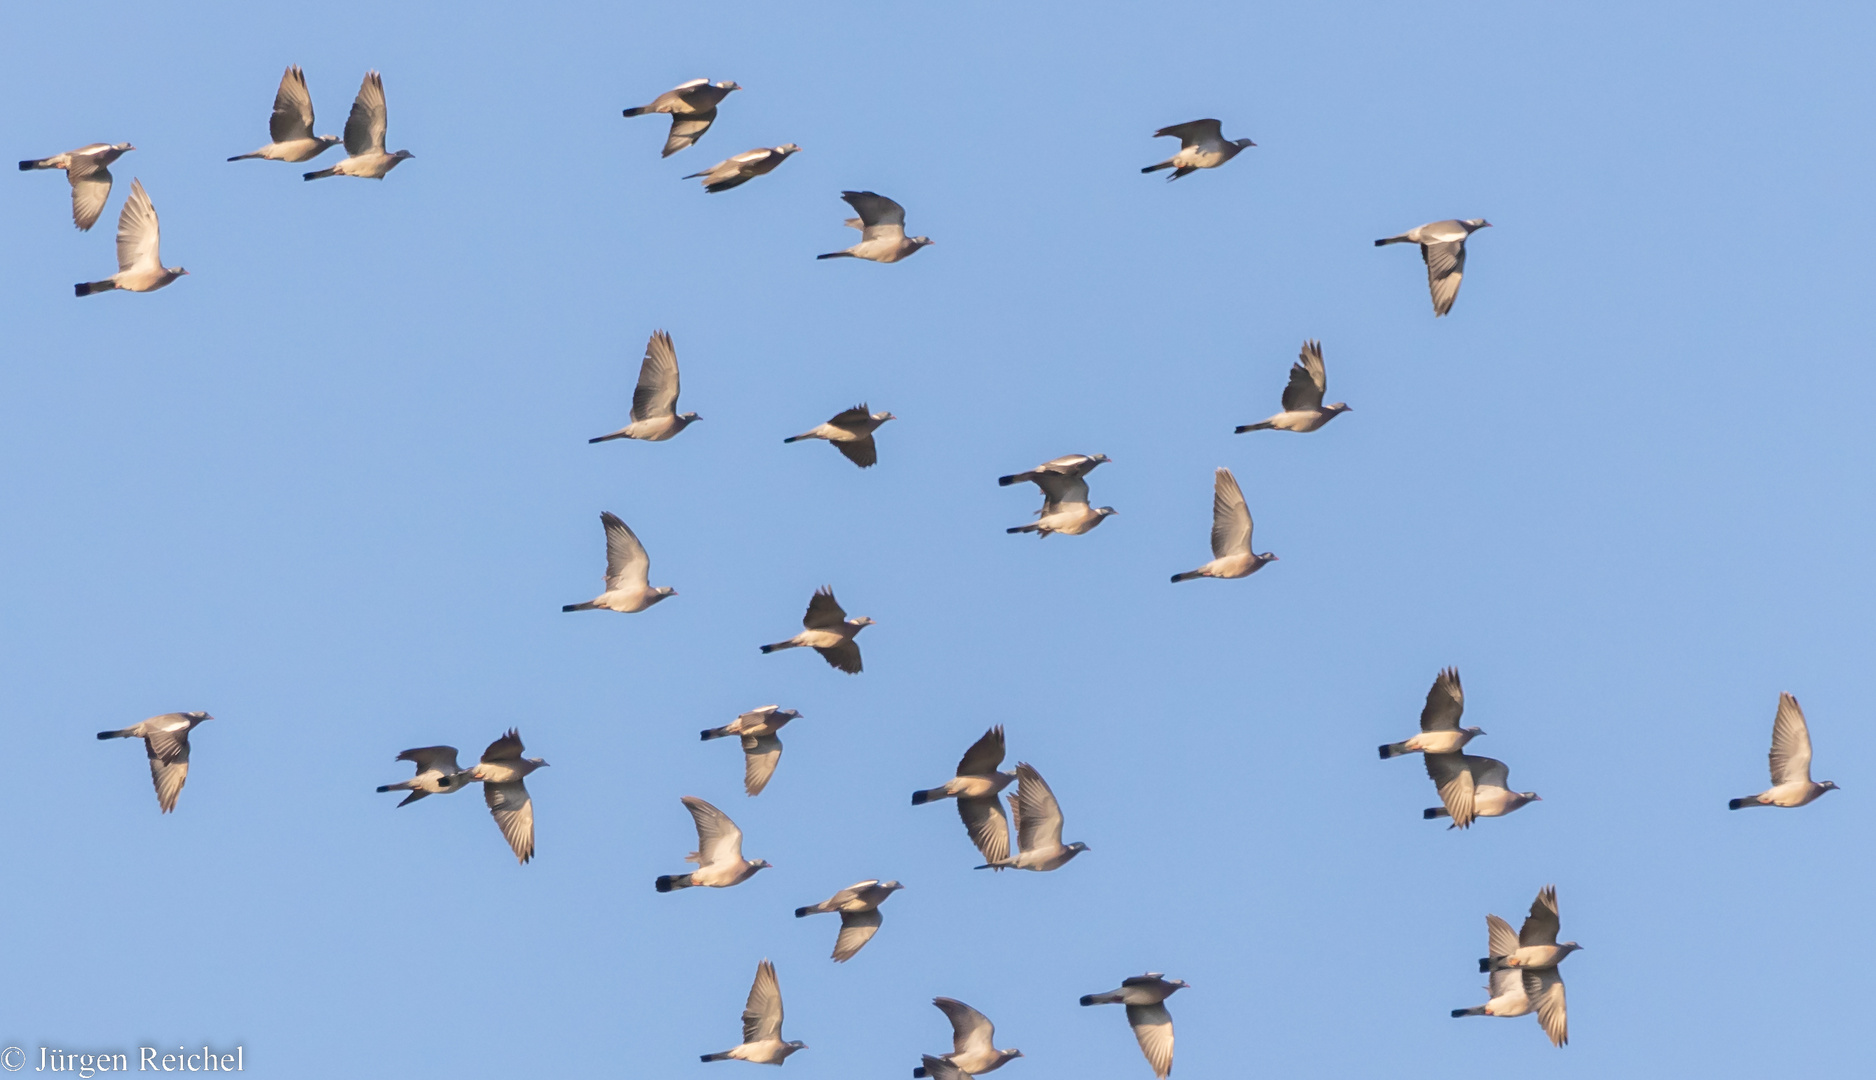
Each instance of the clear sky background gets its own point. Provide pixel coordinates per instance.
(334, 486)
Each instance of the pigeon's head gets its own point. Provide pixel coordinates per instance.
(861, 621)
(920, 241)
(1268, 556)
(1567, 948)
(787, 148)
(726, 86)
(123, 147)
(1530, 796)
(663, 591)
(402, 154)
(175, 271)
(1010, 1055)
(689, 417)
(1104, 511)
(890, 886)
(1242, 143)
(1472, 733)
(539, 763)
(1337, 408)
(760, 864)
(795, 1045)
(1097, 459)
(325, 141)
(1077, 848)
(1828, 785)
(1475, 224)
(782, 716)
(1176, 985)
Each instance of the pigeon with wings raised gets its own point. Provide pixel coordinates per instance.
(1506, 988)
(166, 743)
(976, 787)
(973, 1043)
(501, 771)
(139, 257)
(654, 402)
(744, 167)
(851, 433)
(1145, 997)
(291, 126)
(719, 854)
(1303, 409)
(692, 107)
(628, 573)
(1443, 249)
(858, 906)
(87, 170)
(1536, 958)
(1202, 145)
(762, 1024)
(1440, 732)
(1037, 820)
(364, 136)
(882, 230)
(1791, 762)
(1473, 787)
(762, 745)
(437, 774)
(1232, 556)
(828, 631)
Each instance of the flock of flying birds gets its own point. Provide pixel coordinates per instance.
(1523, 965)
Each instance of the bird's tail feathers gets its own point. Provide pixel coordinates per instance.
(1390, 240)
(321, 174)
(640, 111)
(804, 912)
(29, 166)
(587, 606)
(1100, 999)
(669, 882)
(1736, 804)
(86, 288)
(1264, 426)
(804, 435)
(1013, 478)
(124, 734)
(920, 798)
(837, 255)
(1393, 750)
(1476, 1010)
(605, 438)
(716, 733)
(402, 785)
(920, 1071)
(1021, 529)
(1167, 164)
(709, 1057)
(1432, 812)
(1187, 576)
(1491, 963)
(237, 157)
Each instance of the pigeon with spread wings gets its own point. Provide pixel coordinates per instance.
(502, 770)
(1231, 534)
(719, 854)
(973, 1043)
(1145, 997)
(1443, 249)
(437, 774)
(88, 171)
(858, 906)
(976, 787)
(139, 257)
(692, 107)
(291, 126)
(1440, 732)
(828, 631)
(1037, 820)
(1506, 988)
(628, 573)
(654, 402)
(762, 744)
(364, 136)
(882, 230)
(1791, 762)
(166, 743)
(762, 1024)
(1202, 145)
(1303, 409)
(1472, 787)
(851, 433)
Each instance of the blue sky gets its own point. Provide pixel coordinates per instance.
(334, 486)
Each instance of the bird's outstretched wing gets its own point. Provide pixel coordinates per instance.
(1231, 519)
